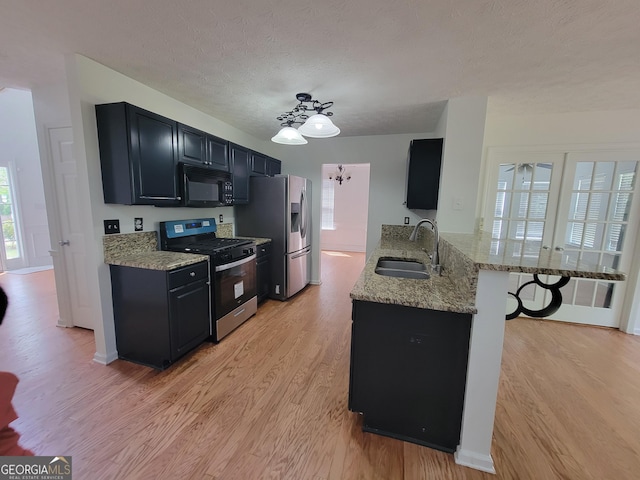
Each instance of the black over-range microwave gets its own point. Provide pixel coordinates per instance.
(201, 187)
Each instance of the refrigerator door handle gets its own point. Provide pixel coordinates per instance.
(301, 253)
(303, 214)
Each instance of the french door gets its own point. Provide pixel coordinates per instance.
(583, 205)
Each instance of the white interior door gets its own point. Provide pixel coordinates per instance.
(590, 212)
(69, 250)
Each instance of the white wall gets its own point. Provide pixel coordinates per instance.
(19, 148)
(387, 156)
(463, 125)
(350, 209)
(592, 129)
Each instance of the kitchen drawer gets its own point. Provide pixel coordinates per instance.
(190, 273)
(263, 250)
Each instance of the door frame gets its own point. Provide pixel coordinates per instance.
(630, 310)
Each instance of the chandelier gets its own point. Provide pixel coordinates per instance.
(340, 175)
(318, 125)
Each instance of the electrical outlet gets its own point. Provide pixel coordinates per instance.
(406, 220)
(111, 226)
(137, 224)
(221, 217)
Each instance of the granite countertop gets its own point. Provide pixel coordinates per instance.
(158, 260)
(462, 256)
(526, 257)
(140, 250)
(435, 293)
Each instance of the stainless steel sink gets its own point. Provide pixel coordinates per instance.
(402, 269)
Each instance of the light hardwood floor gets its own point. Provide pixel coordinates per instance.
(270, 401)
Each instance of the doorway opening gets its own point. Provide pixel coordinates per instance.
(345, 211)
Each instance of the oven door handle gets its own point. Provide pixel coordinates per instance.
(227, 266)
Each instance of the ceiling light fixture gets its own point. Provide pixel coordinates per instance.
(340, 175)
(289, 136)
(317, 126)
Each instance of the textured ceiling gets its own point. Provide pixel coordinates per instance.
(389, 65)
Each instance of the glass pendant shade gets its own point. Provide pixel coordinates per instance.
(319, 126)
(289, 136)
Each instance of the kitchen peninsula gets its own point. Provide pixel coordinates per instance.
(450, 329)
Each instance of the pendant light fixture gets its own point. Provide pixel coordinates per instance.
(318, 125)
(289, 136)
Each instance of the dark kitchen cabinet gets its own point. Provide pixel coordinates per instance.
(263, 270)
(423, 173)
(261, 165)
(258, 164)
(408, 372)
(240, 171)
(196, 147)
(274, 166)
(160, 315)
(218, 153)
(138, 155)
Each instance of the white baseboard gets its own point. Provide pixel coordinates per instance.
(105, 359)
(474, 460)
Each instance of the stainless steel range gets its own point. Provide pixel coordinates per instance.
(232, 269)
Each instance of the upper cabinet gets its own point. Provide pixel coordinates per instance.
(273, 166)
(196, 147)
(423, 173)
(138, 155)
(258, 164)
(140, 152)
(240, 170)
(263, 165)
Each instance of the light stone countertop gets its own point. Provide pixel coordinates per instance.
(158, 260)
(140, 250)
(435, 293)
(462, 256)
(525, 257)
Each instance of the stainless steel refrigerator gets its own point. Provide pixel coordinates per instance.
(280, 209)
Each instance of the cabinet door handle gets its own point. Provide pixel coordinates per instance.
(559, 249)
(62, 243)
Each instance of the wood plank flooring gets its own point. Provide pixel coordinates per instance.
(270, 400)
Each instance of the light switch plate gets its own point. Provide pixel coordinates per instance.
(111, 226)
(406, 220)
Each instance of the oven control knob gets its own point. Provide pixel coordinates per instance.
(248, 251)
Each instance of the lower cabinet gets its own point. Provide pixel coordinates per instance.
(408, 372)
(160, 315)
(263, 270)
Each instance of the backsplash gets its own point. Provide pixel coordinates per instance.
(225, 230)
(121, 244)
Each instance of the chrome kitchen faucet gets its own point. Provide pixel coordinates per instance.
(435, 265)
